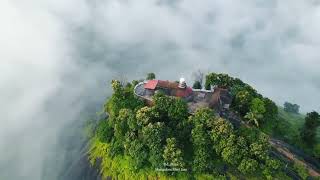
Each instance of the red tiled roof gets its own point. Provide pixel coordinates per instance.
(183, 92)
(151, 84)
(168, 84)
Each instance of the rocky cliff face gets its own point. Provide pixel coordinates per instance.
(69, 160)
(79, 168)
(82, 170)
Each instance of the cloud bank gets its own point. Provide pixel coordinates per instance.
(272, 45)
(57, 58)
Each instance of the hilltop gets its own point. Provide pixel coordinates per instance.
(166, 130)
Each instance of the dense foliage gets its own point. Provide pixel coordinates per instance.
(197, 85)
(164, 141)
(256, 109)
(292, 108)
(309, 130)
(151, 76)
(121, 98)
(286, 124)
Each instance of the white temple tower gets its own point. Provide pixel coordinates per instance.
(182, 83)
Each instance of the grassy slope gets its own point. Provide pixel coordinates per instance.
(295, 120)
(294, 123)
(290, 126)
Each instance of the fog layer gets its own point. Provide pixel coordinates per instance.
(58, 57)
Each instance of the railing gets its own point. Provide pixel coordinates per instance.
(135, 87)
(202, 90)
(138, 95)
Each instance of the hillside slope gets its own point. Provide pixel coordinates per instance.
(161, 140)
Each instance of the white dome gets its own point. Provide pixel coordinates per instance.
(182, 80)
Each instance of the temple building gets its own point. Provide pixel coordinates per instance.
(218, 99)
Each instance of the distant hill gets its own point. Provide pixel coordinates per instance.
(293, 118)
(295, 122)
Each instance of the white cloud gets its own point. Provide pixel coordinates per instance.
(34, 56)
(57, 57)
(262, 42)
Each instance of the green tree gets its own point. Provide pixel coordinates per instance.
(271, 109)
(151, 76)
(182, 131)
(243, 147)
(171, 110)
(270, 119)
(231, 155)
(258, 149)
(316, 151)
(252, 117)
(224, 80)
(132, 121)
(172, 154)
(116, 147)
(232, 149)
(162, 103)
(203, 155)
(312, 120)
(154, 136)
(134, 82)
(248, 166)
(235, 85)
(122, 97)
(257, 109)
(201, 145)
(139, 153)
(178, 110)
(257, 106)
(202, 116)
(117, 88)
(104, 131)
(225, 141)
(220, 80)
(221, 129)
(271, 168)
(292, 108)
(302, 171)
(147, 115)
(211, 79)
(309, 130)
(121, 125)
(242, 102)
(197, 85)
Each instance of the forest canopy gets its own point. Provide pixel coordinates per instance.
(165, 141)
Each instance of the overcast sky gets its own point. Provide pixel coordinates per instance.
(58, 56)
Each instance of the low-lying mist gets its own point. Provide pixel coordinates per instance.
(58, 58)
